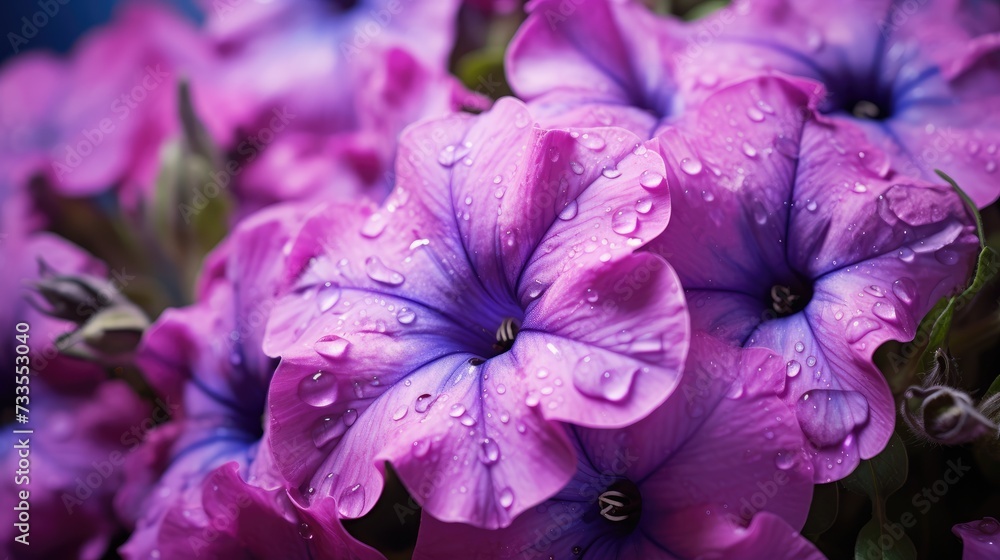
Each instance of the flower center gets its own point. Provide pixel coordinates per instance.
(786, 300)
(343, 5)
(506, 334)
(621, 504)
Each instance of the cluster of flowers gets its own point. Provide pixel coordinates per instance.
(630, 313)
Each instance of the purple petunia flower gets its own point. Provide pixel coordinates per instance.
(920, 78)
(496, 291)
(346, 77)
(718, 471)
(920, 81)
(207, 363)
(78, 418)
(795, 235)
(981, 539)
(96, 120)
(598, 63)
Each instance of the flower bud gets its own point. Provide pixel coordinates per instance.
(944, 415)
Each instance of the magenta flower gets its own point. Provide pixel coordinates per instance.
(207, 363)
(598, 63)
(347, 77)
(920, 78)
(495, 292)
(76, 451)
(798, 236)
(96, 120)
(80, 421)
(979, 538)
(718, 471)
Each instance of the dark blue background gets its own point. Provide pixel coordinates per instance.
(71, 21)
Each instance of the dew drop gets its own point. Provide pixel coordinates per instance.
(569, 211)
(489, 452)
(331, 346)
(755, 114)
(457, 410)
(350, 417)
(624, 221)
(860, 187)
(884, 311)
(327, 429)
(859, 327)
(421, 447)
(784, 460)
(352, 501)
(400, 413)
(905, 254)
(799, 347)
(650, 180)
(611, 173)
(327, 296)
(576, 167)
(506, 498)
(749, 150)
(595, 143)
(691, 166)
(406, 315)
(905, 289)
(643, 205)
(305, 531)
(792, 368)
(379, 272)
(374, 225)
(318, 389)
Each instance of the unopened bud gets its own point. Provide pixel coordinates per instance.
(944, 415)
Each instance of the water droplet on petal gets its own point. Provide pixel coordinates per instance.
(624, 221)
(318, 389)
(828, 417)
(379, 272)
(691, 166)
(374, 225)
(859, 327)
(946, 256)
(792, 368)
(400, 412)
(611, 173)
(755, 114)
(352, 501)
(327, 429)
(784, 460)
(650, 180)
(905, 254)
(423, 402)
(406, 315)
(331, 346)
(860, 187)
(592, 142)
(569, 212)
(457, 410)
(350, 417)
(327, 296)
(811, 206)
(305, 531)
(749, 150)
(489, 452)
(799, 347)
(421, 447)
(643, 205)
(576, 167)
(507, 498)
(905, 289)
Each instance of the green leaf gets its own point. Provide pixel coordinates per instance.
(878, 541)
(881, 475)
(878, 478)
(937, 322)
(705, 8)
(822, 511)
(968, 202)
